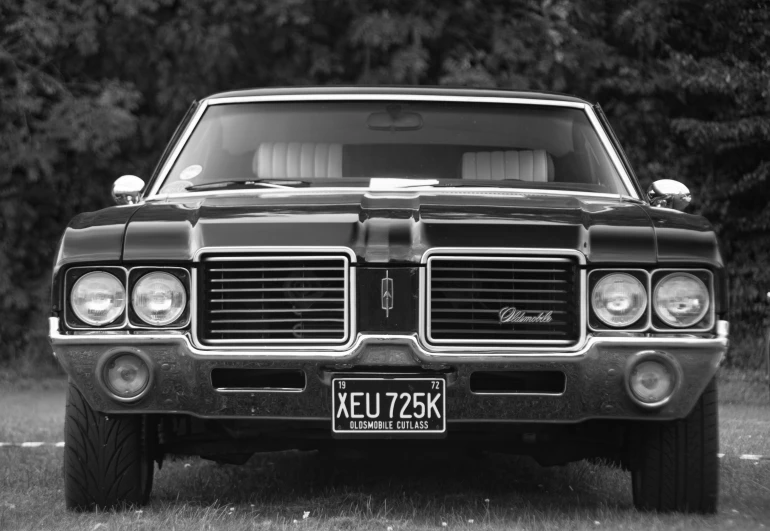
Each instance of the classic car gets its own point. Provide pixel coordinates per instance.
(382, 268)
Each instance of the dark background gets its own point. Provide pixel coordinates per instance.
(92, 89)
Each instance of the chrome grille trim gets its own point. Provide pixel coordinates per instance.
(485, 330)
(237, 311)
(268, 330)
(469, 345)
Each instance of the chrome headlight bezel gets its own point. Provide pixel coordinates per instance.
(128, 276)
(71, 318)
(653, 323)
(705, 322)
(136, 274)
(596, 323)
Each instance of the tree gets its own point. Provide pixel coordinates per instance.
(689, 93)
(92, 89)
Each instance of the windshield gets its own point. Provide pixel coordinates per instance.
(400, 144)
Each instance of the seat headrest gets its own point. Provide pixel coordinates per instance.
(534, 165)
(295, 160)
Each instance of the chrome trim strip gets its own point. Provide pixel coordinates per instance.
(648, 311)
(514, 393)
(394, 97)
(411, 341)
(171, 160)
(293, 253)
(482, 191)
(274, 249)
(710, 287)
(523, 346)
(259, 390)
(723, 328)
(523, 251)
(586, 107)
(610, 150)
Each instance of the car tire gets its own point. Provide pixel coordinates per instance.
(674, 464)
(107, 459)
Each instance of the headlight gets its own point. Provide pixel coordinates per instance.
(98, 298)
(159, 298)
(681, 300)
(619, 299)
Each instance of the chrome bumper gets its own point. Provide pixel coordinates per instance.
(595, 376)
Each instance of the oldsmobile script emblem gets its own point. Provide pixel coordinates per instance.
(510, 314)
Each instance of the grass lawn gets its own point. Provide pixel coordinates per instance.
(299, 491)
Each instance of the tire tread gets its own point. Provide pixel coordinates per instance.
(106, 465)
(674, 464)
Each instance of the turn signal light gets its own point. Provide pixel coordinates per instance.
(126, 376)
(652, 382)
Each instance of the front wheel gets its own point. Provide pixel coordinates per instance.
(107, 459)
(674, 465)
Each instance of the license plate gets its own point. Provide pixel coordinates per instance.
(389, 406)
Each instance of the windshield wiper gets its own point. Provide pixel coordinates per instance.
(406, 183)
(523, 186)
(264, 183)
(476, 185)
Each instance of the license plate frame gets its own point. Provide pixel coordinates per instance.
(383, 384)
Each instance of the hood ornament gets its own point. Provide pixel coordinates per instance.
(510, 314)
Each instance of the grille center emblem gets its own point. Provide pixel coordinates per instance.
(386, 293)
(510, 314)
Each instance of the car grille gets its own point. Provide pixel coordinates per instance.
(274, 299)
(469, 297)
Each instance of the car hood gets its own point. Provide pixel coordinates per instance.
(398, 227)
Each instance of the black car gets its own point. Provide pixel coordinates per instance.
(329, 268)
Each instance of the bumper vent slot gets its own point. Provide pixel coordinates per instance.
(507, 301)
(258, 379)
(274, 299)
(518, 382)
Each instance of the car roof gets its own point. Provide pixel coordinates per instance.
(401, 90)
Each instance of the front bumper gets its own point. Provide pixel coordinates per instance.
(595, 377)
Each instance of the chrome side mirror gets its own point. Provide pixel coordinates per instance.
(668, 193)
(126, 189)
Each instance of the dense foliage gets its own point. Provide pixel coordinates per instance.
(92, 89)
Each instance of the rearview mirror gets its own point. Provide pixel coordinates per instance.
(668, 193)
(126, 189)
(394, 119)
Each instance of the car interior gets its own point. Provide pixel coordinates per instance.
(320, 142)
